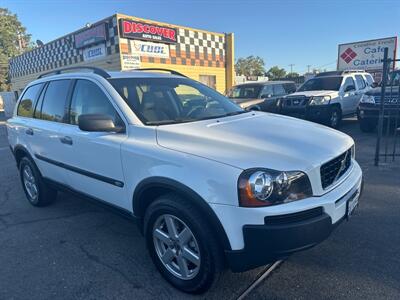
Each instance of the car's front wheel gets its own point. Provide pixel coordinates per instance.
(36, 191)
(367, 126)
(182, 245)
(335, 117)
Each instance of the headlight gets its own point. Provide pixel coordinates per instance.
(367, 99)
(320, 100)
(264, 187)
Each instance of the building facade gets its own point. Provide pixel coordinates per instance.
(122, 42)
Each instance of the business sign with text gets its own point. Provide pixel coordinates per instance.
(90, 36)
(366, 55)
(147, 31)
(94, 52)
(144, 48)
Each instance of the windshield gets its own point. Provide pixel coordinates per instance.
(160, 101)
(394, 79)
(245, 91)
(322, 83)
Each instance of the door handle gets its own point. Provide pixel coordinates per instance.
(66, 140)
(29, 131)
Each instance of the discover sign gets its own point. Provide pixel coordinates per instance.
(366, 55)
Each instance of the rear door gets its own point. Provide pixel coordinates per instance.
(48, 117)
(93, 159)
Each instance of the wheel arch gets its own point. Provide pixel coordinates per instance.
(151, 188)
(19, 152)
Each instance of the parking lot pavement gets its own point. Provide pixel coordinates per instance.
(75, 249)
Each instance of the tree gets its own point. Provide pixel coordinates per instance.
(292, 75)
(13, 41)
(250, 66)
(275, 72)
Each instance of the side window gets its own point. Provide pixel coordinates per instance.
(360, 82)
(279, 90)
(369, 79)
(25, 107)
(348, 82)
(267, 90)
(88, 98)
(53, 106)
(289, 88)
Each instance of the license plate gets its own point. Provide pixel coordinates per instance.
(352, 203)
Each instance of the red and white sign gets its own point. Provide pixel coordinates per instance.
(147, 31)
(366, 55)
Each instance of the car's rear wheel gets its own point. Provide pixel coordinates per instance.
(36, 191)
(182, 245)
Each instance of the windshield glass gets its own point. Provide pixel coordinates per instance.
(245, 91)
(322, 83)
(394, 79)
(158, 101)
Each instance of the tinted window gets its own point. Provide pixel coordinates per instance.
(360, 82)
(53, 105)
(289, 88)
(267, 90)
(279, 90)
(245, 91)
(369, 79)
(25, 108)
(322, 83)
(348, 82)
(395, 78)
(158, 101)
(88, 98)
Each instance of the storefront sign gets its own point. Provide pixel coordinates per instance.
(149, 49)
(146, 31)
(365, 55)
(90, 36)
(130, 62)
(94, 52)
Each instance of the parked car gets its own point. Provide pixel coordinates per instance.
(326, 98)
(369, 107)
(209, 184)
(261, 96)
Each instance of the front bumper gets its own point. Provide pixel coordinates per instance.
(315, 113)
(272, 233)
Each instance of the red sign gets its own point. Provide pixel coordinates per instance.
(146, 31)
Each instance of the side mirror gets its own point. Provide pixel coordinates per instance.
(350, 88)
(98, 123)
(266, 96)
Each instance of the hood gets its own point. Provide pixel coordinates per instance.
(315, 93)
(389, 89)
(257, 139)
(243, 103)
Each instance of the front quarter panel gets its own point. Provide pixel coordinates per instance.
(143, 158)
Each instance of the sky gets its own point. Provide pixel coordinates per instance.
(302, 33)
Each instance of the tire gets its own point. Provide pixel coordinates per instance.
(32, 181)
(335, 117)
(200, 240)
(366, 126)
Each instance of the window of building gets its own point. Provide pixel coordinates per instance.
(25, 108)
(88, 98)
(53, 106)
(209, 80)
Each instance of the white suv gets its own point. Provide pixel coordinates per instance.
(210, 185)
(328, 97)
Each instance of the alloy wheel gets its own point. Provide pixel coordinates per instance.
(30, 183)
(176, 247)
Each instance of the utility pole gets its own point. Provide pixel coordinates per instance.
(308, 68)
(291, 68)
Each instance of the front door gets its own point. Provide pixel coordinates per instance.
(93, 159)
(349, 96)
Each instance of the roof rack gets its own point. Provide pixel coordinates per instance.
(95, 70)
(161, 69)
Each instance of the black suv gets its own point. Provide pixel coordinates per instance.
(262, 96)
(369, 107)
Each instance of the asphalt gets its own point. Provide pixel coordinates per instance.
(75, 249)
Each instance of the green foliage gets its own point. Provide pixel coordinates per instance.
(13, 41)
(250, 66)
(276, 72)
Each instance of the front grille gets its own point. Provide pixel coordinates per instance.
(294, 217)
(296, 101)
(335, 168)
(389, 99)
